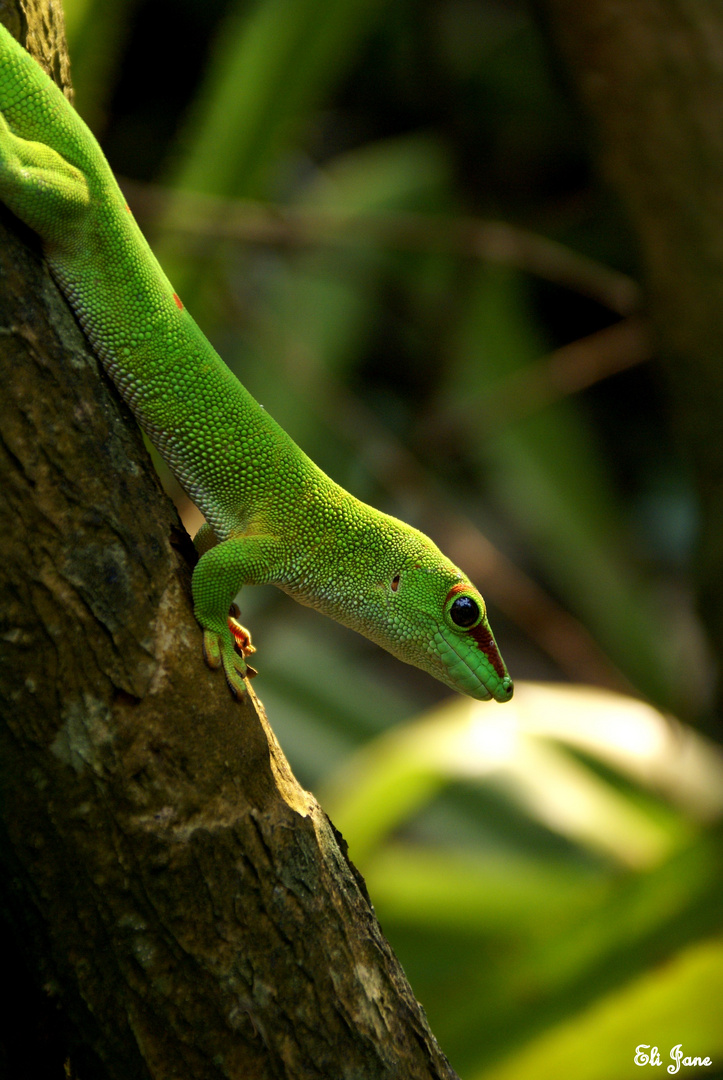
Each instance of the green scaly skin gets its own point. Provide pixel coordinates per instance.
(273, 516)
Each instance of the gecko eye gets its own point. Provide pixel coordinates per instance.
(464, 611)
(395, 583)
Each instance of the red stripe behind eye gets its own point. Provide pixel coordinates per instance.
(482, 636)
(487, 644)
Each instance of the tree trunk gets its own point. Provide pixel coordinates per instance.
(650, 73)
(169, 885)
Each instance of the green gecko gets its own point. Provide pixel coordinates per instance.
(272, 515)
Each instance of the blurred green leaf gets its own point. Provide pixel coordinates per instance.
(677, 1005)
(275, 60)
(516, 748)
(97, 31)
(536, 942)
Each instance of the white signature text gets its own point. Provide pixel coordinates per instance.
(650, 1055)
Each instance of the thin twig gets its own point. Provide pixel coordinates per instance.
(477, 238)
(564, 372)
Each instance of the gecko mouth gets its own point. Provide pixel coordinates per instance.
(495, 671)
(463, 657)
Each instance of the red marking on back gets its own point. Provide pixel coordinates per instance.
(483, 637)
(179, 302)
(128, 208)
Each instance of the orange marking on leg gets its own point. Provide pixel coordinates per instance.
(179, 302)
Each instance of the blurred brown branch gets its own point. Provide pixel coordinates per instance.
(650, 74)
(494, 241)
(564, 372)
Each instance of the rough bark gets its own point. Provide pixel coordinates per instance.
(650, 73)
(169, 885)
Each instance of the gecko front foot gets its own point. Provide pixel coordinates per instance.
(219, 574)
(239, 633)
(219, 651)
(241, 639)
(229, 650)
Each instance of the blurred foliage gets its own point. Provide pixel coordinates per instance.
(387, 220)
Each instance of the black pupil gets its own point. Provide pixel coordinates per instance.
(464, 611)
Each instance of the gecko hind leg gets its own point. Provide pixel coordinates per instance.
(40, 186)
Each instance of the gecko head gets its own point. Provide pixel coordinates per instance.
(435, 618)
(465, 646)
